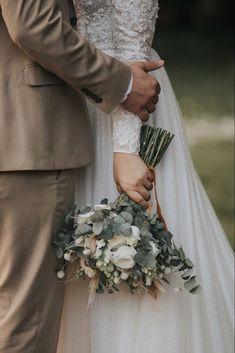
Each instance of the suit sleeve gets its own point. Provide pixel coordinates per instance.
(38, 28)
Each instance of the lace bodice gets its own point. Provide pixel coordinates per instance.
(124, 29)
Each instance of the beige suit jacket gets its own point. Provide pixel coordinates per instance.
(46, 71)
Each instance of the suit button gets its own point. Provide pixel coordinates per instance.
(84, 90)
(99, 100)
(93, 96)
(73, 21)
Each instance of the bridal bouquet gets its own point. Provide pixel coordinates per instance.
(119, 242)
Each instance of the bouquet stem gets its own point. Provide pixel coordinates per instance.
(153, 145)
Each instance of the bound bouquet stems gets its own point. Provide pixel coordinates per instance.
(120, 241)
(153, 145)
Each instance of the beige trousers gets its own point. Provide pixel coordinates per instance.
(32, 207)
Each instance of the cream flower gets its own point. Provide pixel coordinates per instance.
(123, 257)
(117, 240)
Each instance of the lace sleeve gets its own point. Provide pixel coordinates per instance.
(134, 26)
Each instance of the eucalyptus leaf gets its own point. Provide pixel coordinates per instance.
(60, 236)
(187, 274)
(189, 263)
(196, 289)
(125, 229)
(83, 229)
(85, 209)
(104, 202)
(190, 284)
(144, 259)
(97, 228)
(68, 217)
(175, 262)
(119, 219)
(106, 234)
(127, 216)
(59, 253)
(116, 228)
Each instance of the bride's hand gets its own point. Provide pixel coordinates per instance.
(133, 177)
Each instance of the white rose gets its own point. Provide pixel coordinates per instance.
(102, 207)
(123, 257)
(61, 274)
(83, 218)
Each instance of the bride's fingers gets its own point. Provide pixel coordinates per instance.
(150, 175)
(136, 197)
(143, 192)
(148, 185)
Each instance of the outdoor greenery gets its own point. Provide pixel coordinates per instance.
(200, 66)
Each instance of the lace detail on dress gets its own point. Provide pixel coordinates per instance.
(124, 29)
(134, 26)
(126, 131)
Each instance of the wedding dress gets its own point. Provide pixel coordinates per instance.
(176, 322)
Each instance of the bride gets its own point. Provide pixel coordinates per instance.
(176, 322)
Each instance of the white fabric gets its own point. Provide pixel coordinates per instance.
(176, 322)
(124, 29)
(129, 89)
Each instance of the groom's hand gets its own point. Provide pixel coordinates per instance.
(145, 89)
(133, 177)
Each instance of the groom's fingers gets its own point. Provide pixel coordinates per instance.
(151, 107)
(149, 66)
(144, 115)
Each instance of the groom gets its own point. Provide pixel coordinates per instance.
(46, 70)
